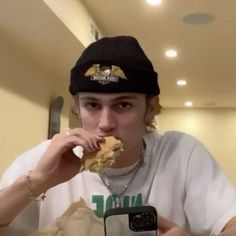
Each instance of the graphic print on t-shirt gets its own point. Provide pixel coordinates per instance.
(103, 203)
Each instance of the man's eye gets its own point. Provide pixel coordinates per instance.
(124, 105)
(92, 105)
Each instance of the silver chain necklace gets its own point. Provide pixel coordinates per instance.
(117, 196)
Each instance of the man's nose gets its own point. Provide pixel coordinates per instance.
(107, 121)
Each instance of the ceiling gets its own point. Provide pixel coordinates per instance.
(206, 52)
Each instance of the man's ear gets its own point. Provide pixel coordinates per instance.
(151, 109)
(75, 111)
(76, 120)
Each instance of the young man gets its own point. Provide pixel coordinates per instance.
(116, 93)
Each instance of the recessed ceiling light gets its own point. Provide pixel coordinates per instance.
(171, 53)
(154, 2)
(188, 104)
(181, 82)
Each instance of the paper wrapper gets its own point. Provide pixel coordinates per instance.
(78, 220)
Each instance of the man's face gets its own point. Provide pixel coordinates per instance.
(122, 115)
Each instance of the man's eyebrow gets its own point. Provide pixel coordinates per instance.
(90, 98)
(125, 98)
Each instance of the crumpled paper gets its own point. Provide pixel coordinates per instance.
(78, 220)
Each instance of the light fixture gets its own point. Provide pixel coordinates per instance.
(181, 82)
(154, 2)
(188, 104)
(171, 53)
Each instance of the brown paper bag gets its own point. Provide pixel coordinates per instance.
(78, 220)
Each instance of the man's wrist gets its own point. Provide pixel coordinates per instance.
(34, 185)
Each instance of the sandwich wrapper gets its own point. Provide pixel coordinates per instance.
(77, 220)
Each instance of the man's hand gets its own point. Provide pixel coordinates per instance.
(59, 164)
(167, 228)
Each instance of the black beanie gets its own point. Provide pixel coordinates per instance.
(114, 65)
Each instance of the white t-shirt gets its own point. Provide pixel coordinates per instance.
(178, 177)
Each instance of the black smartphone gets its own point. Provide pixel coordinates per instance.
(132, 221)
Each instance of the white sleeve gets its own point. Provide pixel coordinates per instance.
(210, 196)
(27, 221)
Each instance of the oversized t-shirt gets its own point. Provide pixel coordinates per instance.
(178, 177)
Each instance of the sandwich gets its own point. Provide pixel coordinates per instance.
(105, 157)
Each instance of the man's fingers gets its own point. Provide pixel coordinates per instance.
(164, 225)
(176, 231)
(168, 228)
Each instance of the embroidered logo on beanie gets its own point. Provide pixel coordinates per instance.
(105, 74)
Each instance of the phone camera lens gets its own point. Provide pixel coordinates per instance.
(143, 221)
(138, 221)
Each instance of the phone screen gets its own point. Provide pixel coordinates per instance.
(134, 221)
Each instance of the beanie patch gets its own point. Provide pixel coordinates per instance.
(105, 74)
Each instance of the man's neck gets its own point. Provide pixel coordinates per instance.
(128, 158)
